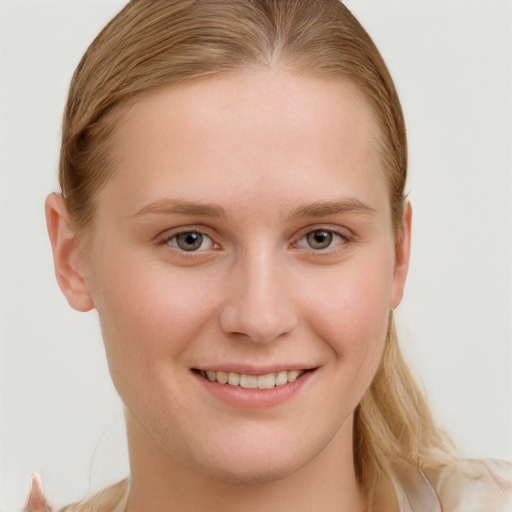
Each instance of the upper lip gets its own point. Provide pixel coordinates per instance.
(254, 370)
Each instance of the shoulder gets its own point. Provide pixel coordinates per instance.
(459, 485)
(475, 486)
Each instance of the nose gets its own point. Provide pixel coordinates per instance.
(259, 306)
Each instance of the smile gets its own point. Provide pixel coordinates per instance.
(266, 381)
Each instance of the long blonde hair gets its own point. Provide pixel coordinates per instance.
(153, 44)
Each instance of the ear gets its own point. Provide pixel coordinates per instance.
(402, 256)
(68, 254)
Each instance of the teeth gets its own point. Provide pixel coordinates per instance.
(248, 381)
(267, 381)
(222, 377)
(234, 379)
(292, 376)
(282, 378)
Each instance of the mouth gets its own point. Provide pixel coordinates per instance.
(246, 381)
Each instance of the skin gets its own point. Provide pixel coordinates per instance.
(275, 157)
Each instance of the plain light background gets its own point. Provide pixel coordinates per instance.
(452, 64)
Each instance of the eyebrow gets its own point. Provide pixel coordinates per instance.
(311, 210)
(325, 208)
(179, 206)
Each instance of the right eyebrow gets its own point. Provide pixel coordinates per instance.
(178, 206)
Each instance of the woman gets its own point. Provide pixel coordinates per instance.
(233, 207)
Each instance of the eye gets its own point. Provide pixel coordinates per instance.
(190, 241)
(320, 239)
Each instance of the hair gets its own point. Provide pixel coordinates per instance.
(156, 44)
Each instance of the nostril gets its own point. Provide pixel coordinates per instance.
(257, 329)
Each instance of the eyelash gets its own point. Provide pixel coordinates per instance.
(171, 240)
(336, 239)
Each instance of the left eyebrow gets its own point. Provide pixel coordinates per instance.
(325, 208)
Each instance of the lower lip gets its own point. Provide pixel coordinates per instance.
(243, 398)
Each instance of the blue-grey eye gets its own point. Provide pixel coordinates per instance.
(190, 241)
(319, 239)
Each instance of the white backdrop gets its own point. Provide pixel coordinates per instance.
(452, 63)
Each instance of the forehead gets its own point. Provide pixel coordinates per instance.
(268, 99)
(245, 135)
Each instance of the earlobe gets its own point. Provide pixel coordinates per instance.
(68, 255)
(402, 256)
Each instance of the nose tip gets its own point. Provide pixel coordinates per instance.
(259, 306)
(256, 323)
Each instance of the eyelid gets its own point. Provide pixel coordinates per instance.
(164, 237)
(344, 233)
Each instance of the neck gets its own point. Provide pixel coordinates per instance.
(327, 482)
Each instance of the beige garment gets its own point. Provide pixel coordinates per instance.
(476, 486)
(464, 486)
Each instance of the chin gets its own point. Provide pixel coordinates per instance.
(250, 469)
(251, 475)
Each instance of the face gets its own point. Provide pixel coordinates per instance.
(246, 237)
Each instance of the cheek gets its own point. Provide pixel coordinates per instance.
(351, 309)
(147, 315)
